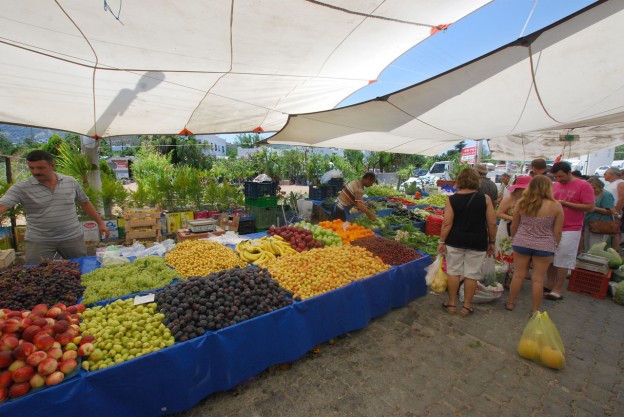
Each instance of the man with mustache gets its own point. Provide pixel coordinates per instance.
(49, 200)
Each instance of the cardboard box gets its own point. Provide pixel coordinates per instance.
(5, 238)
(185, 216)
(20, 237)
(174, 222)
(229, 223)
(111, 225)
(91, 232)
(121, 227)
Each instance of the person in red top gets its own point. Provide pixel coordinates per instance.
(577, 197)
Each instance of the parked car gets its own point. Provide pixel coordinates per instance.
(601, 170)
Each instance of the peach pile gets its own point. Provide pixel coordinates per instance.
(39, 347)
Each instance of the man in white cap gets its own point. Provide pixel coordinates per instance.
(487, 185)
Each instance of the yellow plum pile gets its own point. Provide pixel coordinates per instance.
(321, 270)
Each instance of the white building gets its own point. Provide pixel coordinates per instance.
(212, 145)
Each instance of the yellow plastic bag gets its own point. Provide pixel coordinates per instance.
(436, 277)
(541, 342)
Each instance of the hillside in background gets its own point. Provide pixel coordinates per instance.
(17, 134)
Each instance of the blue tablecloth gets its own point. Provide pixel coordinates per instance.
(176, 378)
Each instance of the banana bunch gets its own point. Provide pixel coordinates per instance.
(260, 251)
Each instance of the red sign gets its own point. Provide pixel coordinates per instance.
(469, 154)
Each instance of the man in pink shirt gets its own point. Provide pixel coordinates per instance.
(577, 197)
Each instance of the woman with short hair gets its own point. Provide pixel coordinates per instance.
(468, 234)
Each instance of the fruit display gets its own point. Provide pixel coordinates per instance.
(147, 273)
(23, 287)
(326, 236)
(219, 300)
(405, 201)
(300, 239)
(390, 251)
(202, 257)
(39, 347)
(261, 251)
(347, 231)
(380, 190)
(320, 270)
(414, 238)
(438, 200)
(122, 332)
(364, 221)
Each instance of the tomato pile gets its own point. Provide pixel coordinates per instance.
(390, 251)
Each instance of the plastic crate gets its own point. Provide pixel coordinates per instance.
(336, 182)
(265, 216)
(591, 283)
(260, 189)
(318, 193)
(269, 201)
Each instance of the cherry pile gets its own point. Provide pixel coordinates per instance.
(390, 251)
(23, 287)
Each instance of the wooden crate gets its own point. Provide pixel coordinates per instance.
(7, 257)
(142, 213)
(142, 224)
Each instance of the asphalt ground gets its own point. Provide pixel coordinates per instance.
(420, 361)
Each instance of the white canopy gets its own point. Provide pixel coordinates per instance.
(565, 79)
(204, 66)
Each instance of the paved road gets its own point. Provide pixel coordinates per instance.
(420, 361)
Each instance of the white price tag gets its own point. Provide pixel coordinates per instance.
(144, 299)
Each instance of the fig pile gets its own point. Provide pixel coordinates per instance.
(391, 252)
(23, 287)
(219, 300)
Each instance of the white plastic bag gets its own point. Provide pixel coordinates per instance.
(483, 294)
(334, 173)
(262, 178)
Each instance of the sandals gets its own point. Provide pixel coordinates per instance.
(449, 307)
(509, 306)
(553, 296)
(466, 311)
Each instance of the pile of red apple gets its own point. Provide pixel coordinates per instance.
(39, 347)
(300, 239)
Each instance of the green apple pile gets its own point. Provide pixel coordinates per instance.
(123, 332)
(328, 237)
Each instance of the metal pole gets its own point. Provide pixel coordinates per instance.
(9, 175)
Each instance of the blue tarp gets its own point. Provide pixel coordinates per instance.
(175, 378)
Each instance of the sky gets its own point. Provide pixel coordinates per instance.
(494, 25)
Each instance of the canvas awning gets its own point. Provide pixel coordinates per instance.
(200, 66)
(565, 79)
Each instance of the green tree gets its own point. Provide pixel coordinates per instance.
(291, 163)
(355, 159)
(248, 140)
(316, 166)
(266, 162)
(6, 146)
(53, 144)
(231, 150)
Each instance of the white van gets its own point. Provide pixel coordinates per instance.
(441, 170)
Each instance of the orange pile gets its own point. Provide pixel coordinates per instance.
(348, 232)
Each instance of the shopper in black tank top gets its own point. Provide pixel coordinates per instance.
(468, 234)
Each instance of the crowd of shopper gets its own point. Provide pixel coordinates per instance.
(543, 224)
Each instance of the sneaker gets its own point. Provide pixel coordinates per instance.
(553, 296)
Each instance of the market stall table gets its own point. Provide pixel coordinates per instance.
(177, 377)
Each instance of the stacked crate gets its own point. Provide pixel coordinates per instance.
(261, 203)
(142, 224)
(329, 190)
